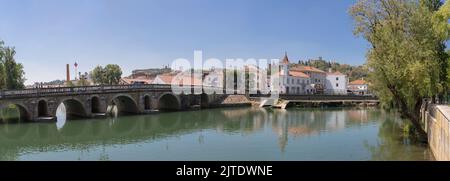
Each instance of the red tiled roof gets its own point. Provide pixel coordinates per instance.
(295, 74)
(335, 73)
(307, 69)
(358, 82)
(298, 74)
(168, 78)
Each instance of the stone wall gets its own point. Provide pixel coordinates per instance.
(436, 122)
(231, 101)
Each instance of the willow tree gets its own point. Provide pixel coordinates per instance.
(443, 56)
(404, 57)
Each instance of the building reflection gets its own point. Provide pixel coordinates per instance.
(312, 122)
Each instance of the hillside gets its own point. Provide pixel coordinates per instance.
(354, 72)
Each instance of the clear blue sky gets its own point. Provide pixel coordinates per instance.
(135, 34)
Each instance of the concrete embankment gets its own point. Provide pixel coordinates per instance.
(436, 122)
(283, 104)
(232, 101)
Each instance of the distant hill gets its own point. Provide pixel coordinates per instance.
(353, 72)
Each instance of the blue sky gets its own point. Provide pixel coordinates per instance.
(135, 34)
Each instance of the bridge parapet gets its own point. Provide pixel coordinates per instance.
(67, 91)
(89, 101)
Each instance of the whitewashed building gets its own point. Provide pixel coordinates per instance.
(316, 76)
(336, 83)
(293, 81)
(358, 87)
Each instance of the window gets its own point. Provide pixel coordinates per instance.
(337, 78)
(287, 81)
(292, 81)
(337, 85)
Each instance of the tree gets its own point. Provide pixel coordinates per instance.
(404, 59)
(113, 74)
(109, 75)
(69, 83)
(11, 73)
(97, 75)
(434, 6)
(82, 82)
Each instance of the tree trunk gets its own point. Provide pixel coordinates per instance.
(413, 116)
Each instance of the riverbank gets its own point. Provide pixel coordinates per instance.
(436, 123)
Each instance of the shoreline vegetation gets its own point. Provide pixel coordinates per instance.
(407, 57)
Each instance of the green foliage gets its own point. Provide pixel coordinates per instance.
(97, 75)
(82, 82)
(69, 84)
(406, 55)
(353, 72)
(9, 114)
(11, 73)
(432, 5)
(109, 75)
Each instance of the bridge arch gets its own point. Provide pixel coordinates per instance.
(95, 105)
(169, 102)
(74, 107)
(125, 104)
(204, 100)
(42, 108)
(24, 114)
(147, 102)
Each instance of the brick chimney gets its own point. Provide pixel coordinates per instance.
(67, 72)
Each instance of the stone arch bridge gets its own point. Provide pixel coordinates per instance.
(90, 101)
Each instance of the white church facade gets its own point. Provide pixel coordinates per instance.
(303, 80)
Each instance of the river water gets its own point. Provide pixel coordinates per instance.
(218, 134)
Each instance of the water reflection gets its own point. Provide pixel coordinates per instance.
(390, 145)
(218, 134)
(61, 116)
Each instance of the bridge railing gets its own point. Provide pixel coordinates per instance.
(75, 90)
(7, 94)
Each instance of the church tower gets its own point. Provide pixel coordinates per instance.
(284, 65)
